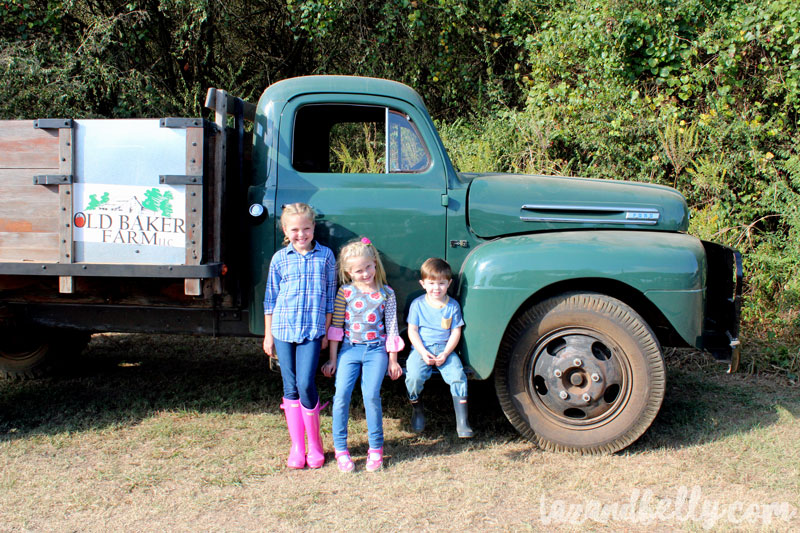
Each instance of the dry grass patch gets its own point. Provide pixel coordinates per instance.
(182, 433)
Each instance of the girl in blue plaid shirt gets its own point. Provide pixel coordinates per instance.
(298, 306)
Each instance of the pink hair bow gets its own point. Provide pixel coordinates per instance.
(365, 240)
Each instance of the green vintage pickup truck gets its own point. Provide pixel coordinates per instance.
(569, 286)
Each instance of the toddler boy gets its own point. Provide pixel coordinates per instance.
(434, 329)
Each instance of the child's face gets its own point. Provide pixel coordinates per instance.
(361, 270)
(299, 229)
(436, 288)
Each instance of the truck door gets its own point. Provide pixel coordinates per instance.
(368, 170)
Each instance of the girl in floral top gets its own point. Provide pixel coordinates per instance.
(365, 320)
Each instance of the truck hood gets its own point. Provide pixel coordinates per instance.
(506, 204)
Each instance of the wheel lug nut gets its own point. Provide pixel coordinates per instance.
(586, 398)
(595, 378)
(577, 362)
(563, 395)
(557, 373)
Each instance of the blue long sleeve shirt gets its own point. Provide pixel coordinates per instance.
(300, 292)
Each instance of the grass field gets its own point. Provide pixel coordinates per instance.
(176, 433)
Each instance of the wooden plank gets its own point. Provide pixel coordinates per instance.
(26, 241)
(249, 109)
(217, 178)
(191, 287)
(36, 210)
(23, 146)
(65, 285)
(65, 244)
(13, 195)
(194, 151)
(194, 207)
(194, 197)
(194, 233)
(18, 177)
(32, 224)
(22, 255)
(215, 184)
(194, 218)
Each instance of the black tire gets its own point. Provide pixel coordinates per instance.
(32, 352)
(582, 373)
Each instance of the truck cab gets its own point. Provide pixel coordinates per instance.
(608, 263)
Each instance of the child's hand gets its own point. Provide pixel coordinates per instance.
(395, 370)
(440, 359)
(329, 368)
(428, 358)
(269, 345)
(324, 343)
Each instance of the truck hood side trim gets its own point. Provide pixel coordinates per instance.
(632, 215)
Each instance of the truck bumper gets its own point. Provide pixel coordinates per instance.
(723, 304)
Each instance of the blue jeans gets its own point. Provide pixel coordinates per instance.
(417, 372)
(370, 361)
(299, 363)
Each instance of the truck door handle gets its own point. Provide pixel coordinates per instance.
(257, 210)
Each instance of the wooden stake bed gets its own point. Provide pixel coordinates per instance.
(107, 198)
(29, 214)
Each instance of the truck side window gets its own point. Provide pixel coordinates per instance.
(407, 152)
(353, 139)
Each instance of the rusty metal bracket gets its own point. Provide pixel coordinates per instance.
(52, 123)
(180, 179)
(52, 179)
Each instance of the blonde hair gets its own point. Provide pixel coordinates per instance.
(298, 208)
(361, 247)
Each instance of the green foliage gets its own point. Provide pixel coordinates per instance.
(140, 58)
(23, 18)
(512, 142)
(448, 50)
(357, 148)
(680, 144)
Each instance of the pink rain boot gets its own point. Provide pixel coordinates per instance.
(316, 456)
(294, 420)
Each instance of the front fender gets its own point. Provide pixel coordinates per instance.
(501, 276)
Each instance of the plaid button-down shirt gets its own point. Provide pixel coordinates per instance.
(300, 292)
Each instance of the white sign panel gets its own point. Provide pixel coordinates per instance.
(130, 215)
(122, 214)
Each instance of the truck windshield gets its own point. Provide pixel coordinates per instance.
(356, 139)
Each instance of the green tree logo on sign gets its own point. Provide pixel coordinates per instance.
(94, 203)
(156, 201)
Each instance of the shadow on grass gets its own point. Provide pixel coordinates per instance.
(122, 379)
(706, 404)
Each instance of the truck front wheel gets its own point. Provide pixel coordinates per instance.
(581, 372)
(30, 352)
